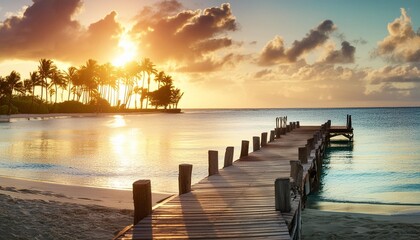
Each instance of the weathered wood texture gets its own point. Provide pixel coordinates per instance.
(142, 198)
(256, 143)
(239, 202)
(264, 139)
(244, 148)
(184, 178)
(213, 162)
(228, 156)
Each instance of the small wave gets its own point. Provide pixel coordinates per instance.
(320, 199)
(27, 165)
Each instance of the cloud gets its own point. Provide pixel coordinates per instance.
(344, 55)
(402, 44)
(262, 73)
(314, 38)
(196, 40)
(274, 51)
(210, 45)
(47, 30)
(210, 64)
(405, 73)
(360, 41)
(166, 32)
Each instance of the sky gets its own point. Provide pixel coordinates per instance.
(232, 54)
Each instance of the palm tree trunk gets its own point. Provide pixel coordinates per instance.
(33, 93)
(69, 89)
(56, 93)
(148, 87)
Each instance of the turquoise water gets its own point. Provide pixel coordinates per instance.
(381, 166)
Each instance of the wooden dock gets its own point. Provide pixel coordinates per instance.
(239, 201)
(345, 131)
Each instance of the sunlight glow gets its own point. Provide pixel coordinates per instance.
(117, 122)
(128, 51)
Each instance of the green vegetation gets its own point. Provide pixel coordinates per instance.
(89, 88)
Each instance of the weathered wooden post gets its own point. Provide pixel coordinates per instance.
(228, 157)
(287, 128)
(282, 194)
(310, 144)
(184, 178)
(272, 134)
(264, 139)
(213, 162)
(303, 154)
(315, 136)
(278, 132)
(308, 150)
(142, 196)
(350, 124)
(244, 148)
(347, 123)
(256, 143)
(298, 124)
(296, 173)
(294, 169)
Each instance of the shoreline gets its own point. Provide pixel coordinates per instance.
(106, 197)
(42, 210)
(75, 115)
(366, 208)
(319, 224)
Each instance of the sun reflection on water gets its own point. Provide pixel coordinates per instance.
(117, 122)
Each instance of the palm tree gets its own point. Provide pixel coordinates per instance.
(35, 81)
(137, 91)
(106, 80)
(130, 75)
(167, 80)
(176, 96)
(11, 83)
(46, 69)
(57, 80)
(159, 77)
(70, 75)
(89, 77)
(148, 67)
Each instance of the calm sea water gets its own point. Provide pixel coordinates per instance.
(382, 165)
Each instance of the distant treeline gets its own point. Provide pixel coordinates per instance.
(89, 88)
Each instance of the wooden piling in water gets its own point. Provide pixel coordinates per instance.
(282, 194)
(184, 178)
(272, 134)
(278, 132)
(142, 198)
(228, 157)
(303, 154)
(310, 143)
(244, 148)
(296, 173)
(255, 143)
(264, 139)
(213, 162)
(298, 124)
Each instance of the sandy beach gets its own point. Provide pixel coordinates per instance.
(318, 224)
(40, 210)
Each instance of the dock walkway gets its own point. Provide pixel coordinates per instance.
(238, 202)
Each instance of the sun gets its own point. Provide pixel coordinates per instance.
(128, 51)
